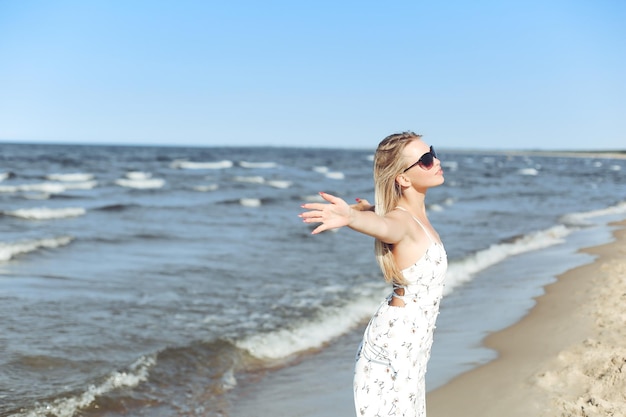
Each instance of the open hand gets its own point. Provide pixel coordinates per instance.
(334, 214)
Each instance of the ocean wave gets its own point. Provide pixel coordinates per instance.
(182, 164)
(44, 213)
(581, 218)
(250, 179)
(140, 180)
(80, 185)
(279, 183)
(9, 189)
(117, 207)
(463, 270)
(9, 250)
(528, 171)
(45, 187)
(138, 175)
(312, 333)
(141, 184)
(36, 196)
(206, 188)
(335, 175)
(250, 202)
(257, 179)
(71, 177)
(49, 187)
(69, 406)
(264, 165)
(6, 175)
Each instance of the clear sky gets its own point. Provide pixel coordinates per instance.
(466, 74)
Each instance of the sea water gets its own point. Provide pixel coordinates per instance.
(150, 280)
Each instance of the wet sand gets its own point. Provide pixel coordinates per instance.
(567, 357)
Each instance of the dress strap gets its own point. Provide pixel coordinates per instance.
(420, 223)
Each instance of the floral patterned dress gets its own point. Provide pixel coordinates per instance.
(391, 360)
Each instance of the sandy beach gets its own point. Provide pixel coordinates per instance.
(566, 358)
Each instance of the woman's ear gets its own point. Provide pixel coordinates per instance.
(403, 181)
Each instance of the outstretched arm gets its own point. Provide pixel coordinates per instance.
(337, 213)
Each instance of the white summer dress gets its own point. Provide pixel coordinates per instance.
(391, 360)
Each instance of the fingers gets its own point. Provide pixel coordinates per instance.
(314, 206)
(329, 197)
(318, 229)
(331, 215)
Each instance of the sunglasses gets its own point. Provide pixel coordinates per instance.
(426, 161)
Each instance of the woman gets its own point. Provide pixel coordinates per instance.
(391, 360)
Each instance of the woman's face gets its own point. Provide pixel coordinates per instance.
(420, 174)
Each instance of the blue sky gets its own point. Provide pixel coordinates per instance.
(466, 74)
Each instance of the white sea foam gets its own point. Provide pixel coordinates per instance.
(250, 202)
(335, 175)
(45, 213)
(312, 333)
(4, 176)
(8, 189)
(138, 175)
(251, 179)
(464, 269)
(10, 250)
(80, 185)
(182, 164)
(206, 188)
(36, 196)
(581, 219)
(528, 171)
(141, 184)
(263, 165)
(615, 168)
(71, 177)
(279, 183)
(70, 406)
(44, 187)
(321, 169)
(49, 187)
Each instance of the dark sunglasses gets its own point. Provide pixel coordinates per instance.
(426, 161)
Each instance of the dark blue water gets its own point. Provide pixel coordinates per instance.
(147, 280)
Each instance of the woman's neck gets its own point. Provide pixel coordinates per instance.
(414, 202)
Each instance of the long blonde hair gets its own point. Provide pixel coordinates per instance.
(388, 163)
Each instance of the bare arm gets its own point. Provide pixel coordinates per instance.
(337, 213)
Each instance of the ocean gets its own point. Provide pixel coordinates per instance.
(158, 281)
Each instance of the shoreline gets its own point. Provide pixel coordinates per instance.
(508, 384)
(565, 357)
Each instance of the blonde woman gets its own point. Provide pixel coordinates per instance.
(391, 360)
